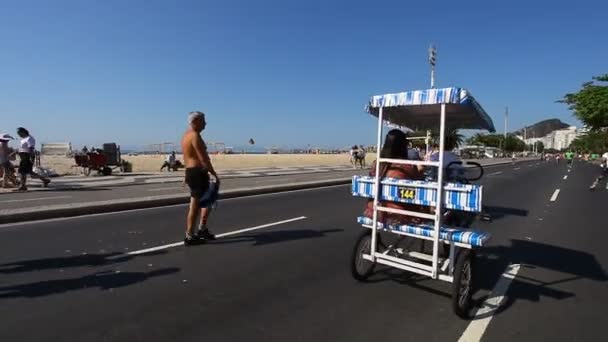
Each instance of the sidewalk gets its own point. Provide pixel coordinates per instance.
(71, 196)
(124, 179)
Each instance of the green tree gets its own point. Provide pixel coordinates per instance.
(540, 146)
(514, 144)
(453, 138)
(590, 104)
(592, 142)
(476, 139)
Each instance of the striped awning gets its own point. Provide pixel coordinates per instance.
(421, 109)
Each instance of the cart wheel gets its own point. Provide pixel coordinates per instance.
(86, 171)
(462, 287)
(362, 268)
(106, 171)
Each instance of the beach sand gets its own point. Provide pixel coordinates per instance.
(152, 163)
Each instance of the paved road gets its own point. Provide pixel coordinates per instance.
(69, 279)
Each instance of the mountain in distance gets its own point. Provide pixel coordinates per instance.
(542, 128)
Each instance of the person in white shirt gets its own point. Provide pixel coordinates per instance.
(353, 155)
(27, 153)
(605, 160)
(449, 157)
(170, 163)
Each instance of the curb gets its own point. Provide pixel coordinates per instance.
(88, 208)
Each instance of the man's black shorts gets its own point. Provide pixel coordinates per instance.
(26, 165)
(197, 179)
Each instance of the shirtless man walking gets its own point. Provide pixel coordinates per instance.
(198, 167)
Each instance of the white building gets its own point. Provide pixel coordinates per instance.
(558, 140)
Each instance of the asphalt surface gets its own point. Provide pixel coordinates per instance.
(69, 279)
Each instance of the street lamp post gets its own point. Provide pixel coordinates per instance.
(506, 118)
(432, 61)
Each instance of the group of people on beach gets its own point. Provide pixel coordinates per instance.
(27, 159)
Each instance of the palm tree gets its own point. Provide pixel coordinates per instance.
(453, 139)
(477, 139)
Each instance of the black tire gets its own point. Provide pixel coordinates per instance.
(462, 287)
(106, 171)
(360, 268)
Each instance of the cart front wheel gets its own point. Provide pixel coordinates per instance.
(462, 287)
(362, 268)
(86, 171)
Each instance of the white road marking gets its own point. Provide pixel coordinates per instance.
(554, 197)
(495, 173)
(565, 177)
(58, 219)
(485, 313)
(181, 243)
(606, 185)
(34, 199)
(594, 184)
(260, 227)
(517, 168)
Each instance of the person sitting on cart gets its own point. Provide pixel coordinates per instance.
(455, 170)
(395, 147)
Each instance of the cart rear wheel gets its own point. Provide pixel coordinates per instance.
(462, 287)
(106, 171)
(362, 268)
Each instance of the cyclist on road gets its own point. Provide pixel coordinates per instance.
(569, 156)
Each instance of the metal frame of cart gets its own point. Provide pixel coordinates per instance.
(447, 108)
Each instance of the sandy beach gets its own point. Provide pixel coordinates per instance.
(152, 163)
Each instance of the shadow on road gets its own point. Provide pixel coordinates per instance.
(266, 238)
(68, 262)
(103, 280)
(496, 213)
(491, 262)
(571, 264)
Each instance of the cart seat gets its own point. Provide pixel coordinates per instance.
(465, 197)
(451, 234)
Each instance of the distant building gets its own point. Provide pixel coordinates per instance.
(558, 140)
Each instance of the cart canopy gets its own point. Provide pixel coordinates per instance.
(421, 109)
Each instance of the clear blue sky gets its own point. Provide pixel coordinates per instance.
(287, 73)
